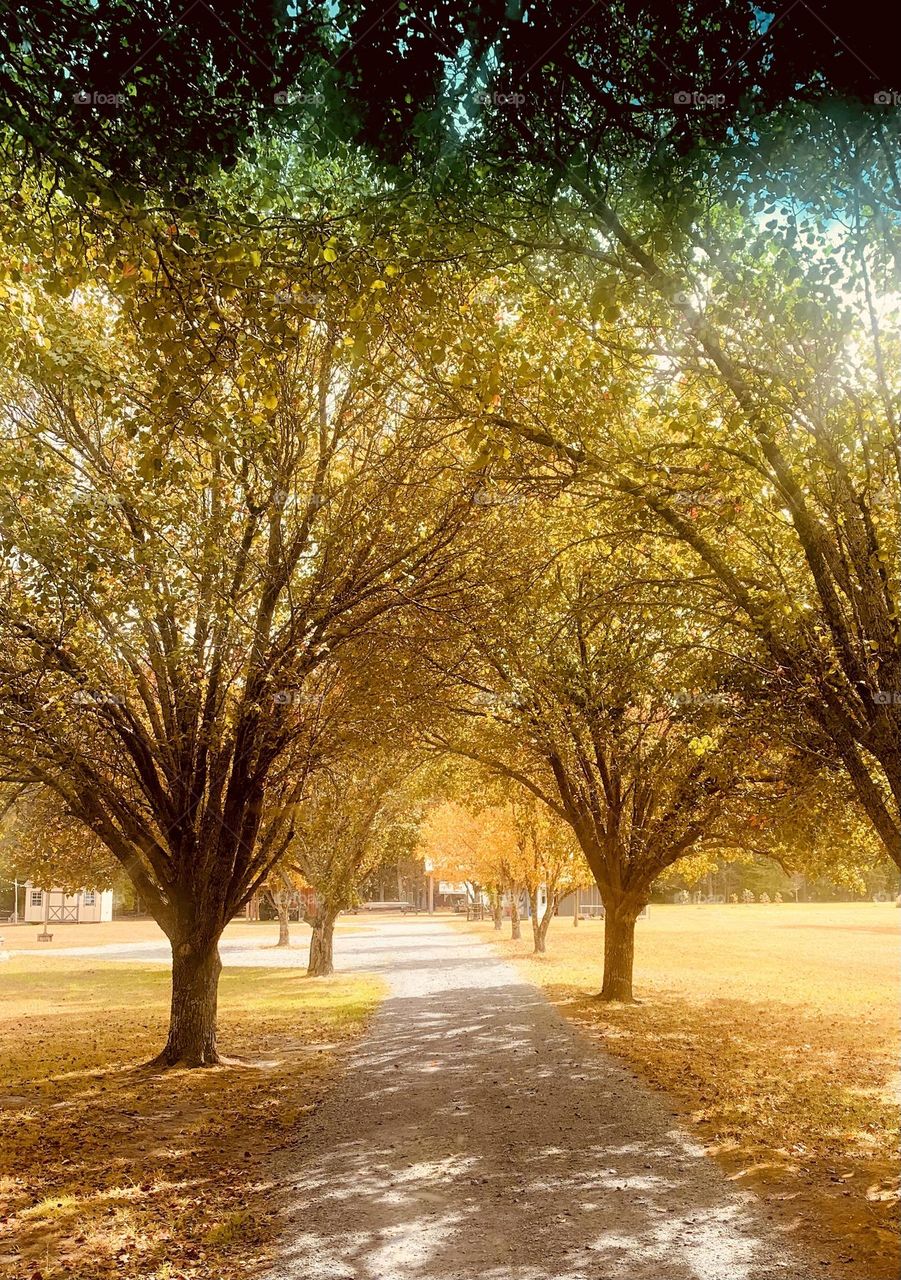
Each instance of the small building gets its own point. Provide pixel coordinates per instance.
(85, 906)
(588, 905)
(586, 901)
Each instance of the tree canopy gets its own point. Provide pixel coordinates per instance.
(489, 382)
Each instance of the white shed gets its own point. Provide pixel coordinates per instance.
(85, 906)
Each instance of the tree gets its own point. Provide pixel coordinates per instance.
(514, 847)
(739, 257)
(42, 842)
(813, 829)
(134, 93)
(139, 95)
(732, 383)
(584, 680)
(283, 892)
(487, 86)
(206, 495)
(795, 518)
(354, 821)
(473, 846)
(548, 858)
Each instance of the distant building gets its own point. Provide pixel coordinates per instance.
(589, 905)
(85, 906)
(587, 900)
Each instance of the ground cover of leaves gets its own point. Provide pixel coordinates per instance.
(774, 1028)
(111, 1171)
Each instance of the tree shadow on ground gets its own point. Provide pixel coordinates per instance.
(477, 1134)
(813, 1131)
(108, 1170)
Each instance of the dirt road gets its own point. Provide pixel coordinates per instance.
(478, 1136)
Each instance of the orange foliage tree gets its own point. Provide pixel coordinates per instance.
(508, 850)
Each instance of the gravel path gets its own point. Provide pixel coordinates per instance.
(478, 1136)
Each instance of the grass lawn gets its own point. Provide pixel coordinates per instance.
(775, 1030)
(110, 1171)
(264, 933)
(24, 937)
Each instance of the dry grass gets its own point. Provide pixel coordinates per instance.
(23, 937)
(110, 1171)
(775, 1029)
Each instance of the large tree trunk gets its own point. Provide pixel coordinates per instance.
(537, 937)
(497, 908)
(540, 927)
(192, 1019)
(281, 904)
(619, 951)
(284, 932)
(515, 930)
(322, 945)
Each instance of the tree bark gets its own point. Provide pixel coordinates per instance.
(192, 1019)
(619, 952)
(284, 932)
(515, 930)
(497, 908)
(322, 945)
(540, 924)
(538, 937)
(540, 927)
